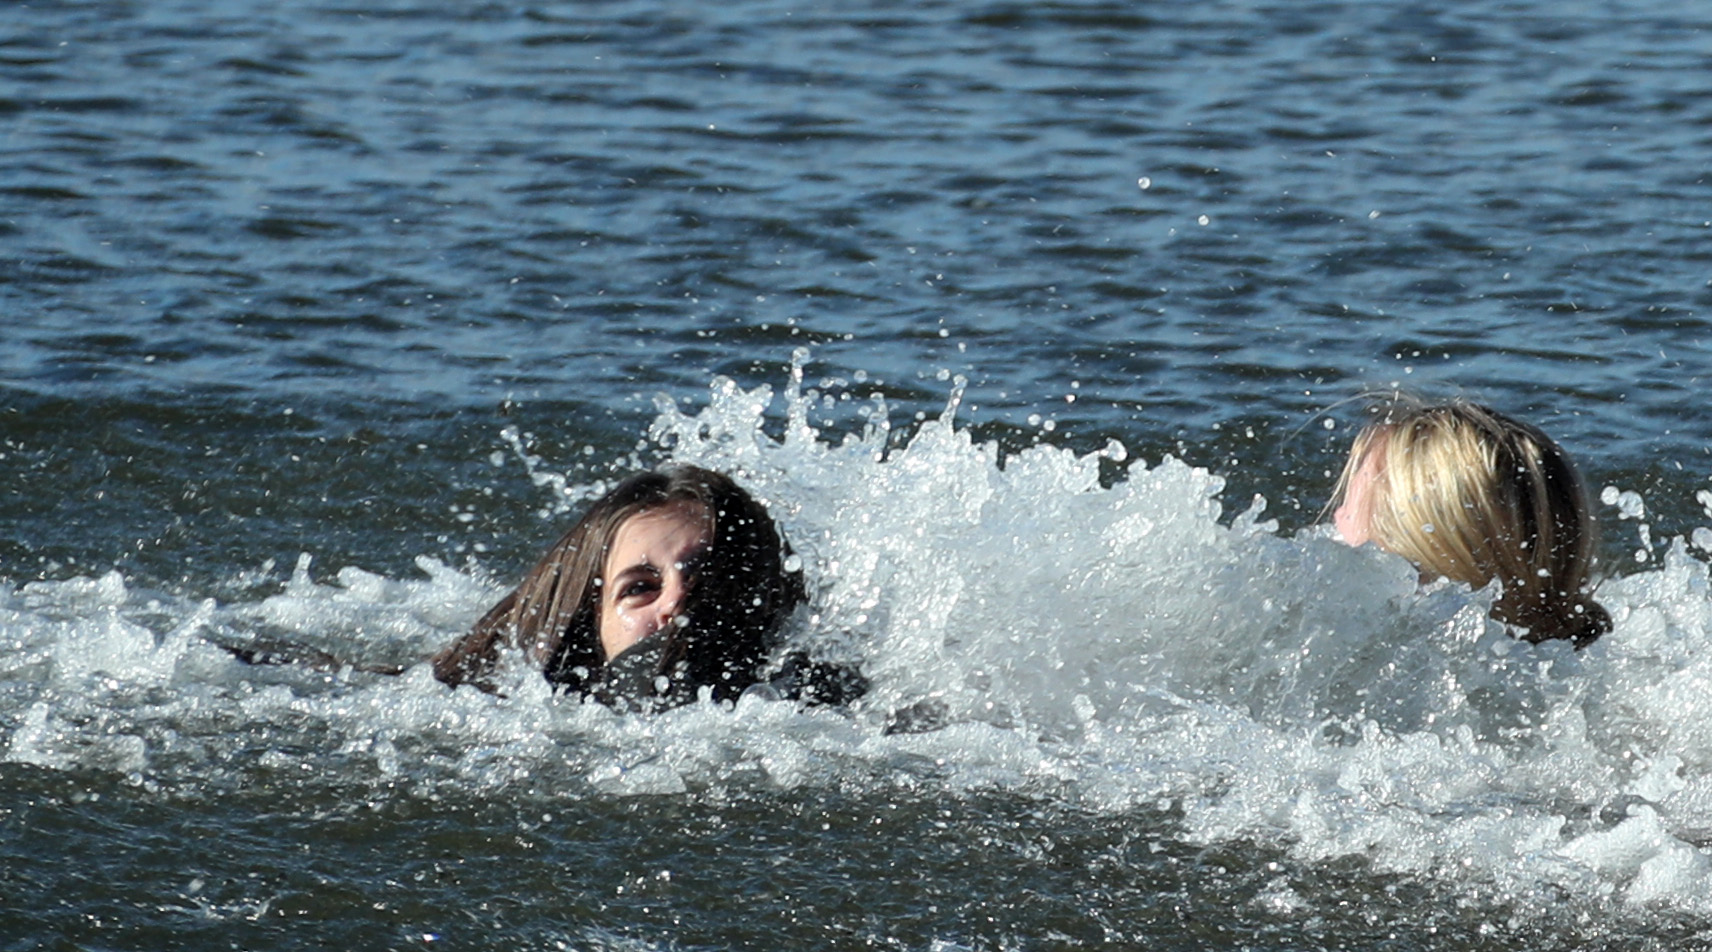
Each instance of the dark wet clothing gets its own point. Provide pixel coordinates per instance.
(638, 680)
(635, 682)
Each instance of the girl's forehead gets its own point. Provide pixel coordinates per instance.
(676, 523)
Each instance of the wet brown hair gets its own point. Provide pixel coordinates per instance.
(1468, 493)
(742, 596)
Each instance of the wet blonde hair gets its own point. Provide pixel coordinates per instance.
(1470, 494)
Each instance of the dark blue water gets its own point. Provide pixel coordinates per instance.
(303, 280)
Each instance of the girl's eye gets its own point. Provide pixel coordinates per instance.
(638, 587)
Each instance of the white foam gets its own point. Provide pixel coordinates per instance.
(1126, 647)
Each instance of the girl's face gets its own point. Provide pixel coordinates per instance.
(649, 571)
(1354, 518)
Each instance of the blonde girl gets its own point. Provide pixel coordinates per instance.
(1467, 493)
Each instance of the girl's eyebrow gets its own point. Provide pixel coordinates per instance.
(640, 568)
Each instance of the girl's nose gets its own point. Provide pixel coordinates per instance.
(670, 602)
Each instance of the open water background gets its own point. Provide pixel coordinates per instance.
(394, 285)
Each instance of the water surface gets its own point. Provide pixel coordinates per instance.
(322, 321)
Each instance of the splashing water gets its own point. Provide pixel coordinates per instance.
(1037, 632)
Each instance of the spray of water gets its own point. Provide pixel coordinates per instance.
(1027, 629)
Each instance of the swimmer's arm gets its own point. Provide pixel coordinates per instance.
(292, 653)
(453, 671)
(469, 660)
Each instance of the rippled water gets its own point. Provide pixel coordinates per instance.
(310, 313)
